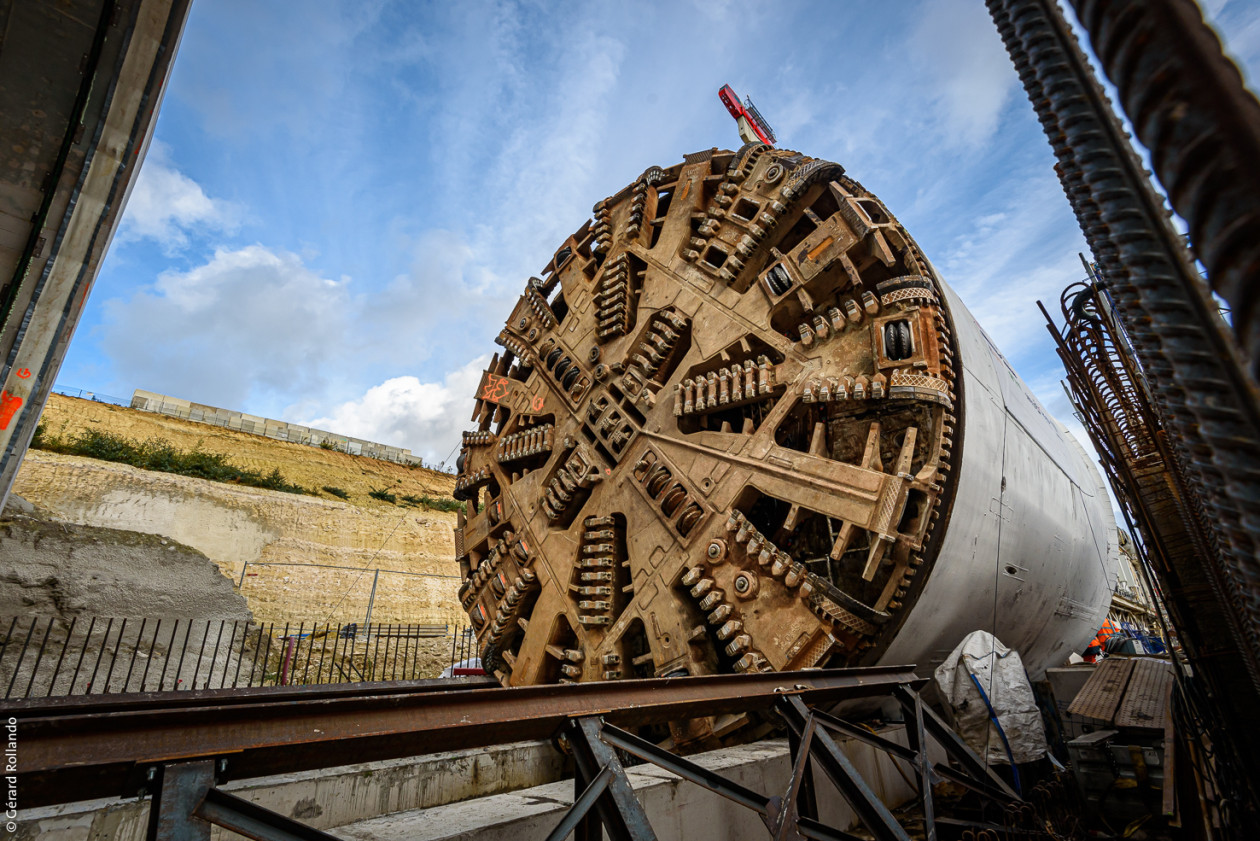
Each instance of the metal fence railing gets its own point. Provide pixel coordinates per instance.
(465, 659)
(44, 657)
(275, 429)
(94, 396)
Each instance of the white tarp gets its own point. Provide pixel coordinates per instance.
(1001, 673)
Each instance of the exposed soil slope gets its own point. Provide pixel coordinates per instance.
(244, 529)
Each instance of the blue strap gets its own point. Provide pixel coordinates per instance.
(1005, 743)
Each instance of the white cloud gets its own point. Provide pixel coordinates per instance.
(257, 329)
(403, 411)
(966, 68)
(251, 321)
(1007, 260)
(165, 205)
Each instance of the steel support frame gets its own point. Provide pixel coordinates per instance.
(187, 802)
(792, 815)
(105, 748)
(186, 799)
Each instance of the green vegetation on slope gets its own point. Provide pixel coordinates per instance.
(156, 454)
(436, 503)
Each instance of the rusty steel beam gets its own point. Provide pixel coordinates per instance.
(69, 756)
(200, 698)
(186, 799)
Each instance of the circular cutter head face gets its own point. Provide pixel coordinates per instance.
(718, 436)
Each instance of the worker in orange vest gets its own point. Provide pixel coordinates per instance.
(1099, 643)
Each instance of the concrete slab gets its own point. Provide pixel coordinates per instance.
(504, 793)
(327, 797)
(676, 808)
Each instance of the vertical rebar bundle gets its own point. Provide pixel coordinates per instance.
(1200, 126)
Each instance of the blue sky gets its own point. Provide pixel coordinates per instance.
(344, 199)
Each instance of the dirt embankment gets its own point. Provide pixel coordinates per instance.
(50, 568)
(310, 467)
(300, 558)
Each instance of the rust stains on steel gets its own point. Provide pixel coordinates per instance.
(719, 436)
(104, 748)
(185, 795)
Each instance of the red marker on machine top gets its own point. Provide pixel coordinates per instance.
(752, 126)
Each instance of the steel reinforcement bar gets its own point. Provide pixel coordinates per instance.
(1189, 106)
(111, 747)
(1204, 396)
(1108, 390)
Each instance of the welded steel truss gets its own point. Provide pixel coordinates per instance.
(603, 797)
(109, 748)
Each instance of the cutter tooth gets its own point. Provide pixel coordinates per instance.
(720, 614)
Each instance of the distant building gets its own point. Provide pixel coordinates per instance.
(163, 404)
(1133, 607)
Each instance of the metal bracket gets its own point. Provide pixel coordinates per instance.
(870, 810)
(187, 803)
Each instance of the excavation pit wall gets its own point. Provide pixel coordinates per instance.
(295, 558)
(504, 793)
(58, 569)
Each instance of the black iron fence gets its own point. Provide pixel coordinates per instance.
(464, 656)
(44, 657)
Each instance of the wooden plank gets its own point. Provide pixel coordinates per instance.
(1145, 701)
(1101, 695)
(1169, 803)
